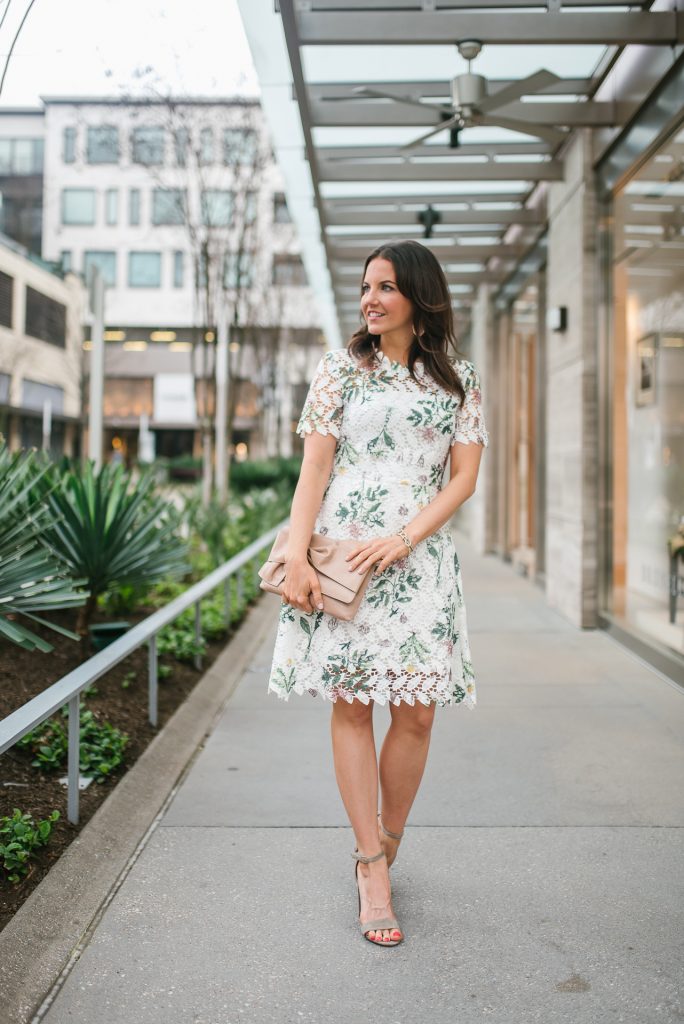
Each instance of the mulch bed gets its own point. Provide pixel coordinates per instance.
(23, 675)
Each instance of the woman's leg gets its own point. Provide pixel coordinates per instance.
(402, 763)
(356, 770)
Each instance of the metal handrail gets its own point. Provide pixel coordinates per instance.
(67, 689)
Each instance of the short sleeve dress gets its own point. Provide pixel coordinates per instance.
(408, 640)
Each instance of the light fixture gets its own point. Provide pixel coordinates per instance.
(162, 335)
(114, 335)
(557, 319)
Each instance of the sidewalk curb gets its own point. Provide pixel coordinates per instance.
(51, 928)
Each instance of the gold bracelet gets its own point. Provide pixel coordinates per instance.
(404, 536)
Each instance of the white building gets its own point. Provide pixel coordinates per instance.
(41, 352)
(134, 188)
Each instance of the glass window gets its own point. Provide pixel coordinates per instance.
(5, 156)
(281, 214)
(69, 145)
(168, 206)
(24, 162)
(144, 269)
(181, 144)
(65, 259)
(148, 146)
(288, 270)
(217, 207)
(21, 156)
(250, 207)
(78, 206)
(102, 145)
(178, 269)
(238, 272)
(239, 146)
(5, 381)
(112, 206)
(207, 146)
(105, 261)
(134, 207)
(34, 395)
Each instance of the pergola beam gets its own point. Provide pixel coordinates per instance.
(460, 218)
(386, 114)
(441, 170)
(359, 249)
(435, 28)
(335, 92)
(435, 151)
(441, 199)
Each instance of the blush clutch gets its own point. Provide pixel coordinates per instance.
(341, 587)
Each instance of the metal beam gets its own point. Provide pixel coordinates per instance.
(382, 114)
(435, 28)
(435, 151)
(411, 5)
(334, 92)
(461, 218)
(445, 253)
(440, 199)
(441, 170)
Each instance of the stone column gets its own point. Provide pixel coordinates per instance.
(571, 381)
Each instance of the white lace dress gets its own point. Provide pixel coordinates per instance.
(408, 641)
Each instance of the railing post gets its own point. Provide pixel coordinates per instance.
(240, 587)
(227, 617)
(153, 688)
(74, 758)
(198, 633)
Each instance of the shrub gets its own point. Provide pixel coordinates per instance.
(20, 835)
(101, 745)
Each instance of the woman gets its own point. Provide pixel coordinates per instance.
(380, 421)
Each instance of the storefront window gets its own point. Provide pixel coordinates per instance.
(648, 399)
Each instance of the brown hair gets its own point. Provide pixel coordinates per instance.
(421, 279)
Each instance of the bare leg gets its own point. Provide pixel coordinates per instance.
(356, 770)
(402, 763)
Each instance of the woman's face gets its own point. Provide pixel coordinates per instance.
(382, 304)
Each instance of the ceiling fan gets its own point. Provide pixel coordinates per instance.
(471, 104)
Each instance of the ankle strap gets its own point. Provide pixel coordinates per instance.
(367, 860)
(392, 835)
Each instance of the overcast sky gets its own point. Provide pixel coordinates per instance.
(86, 47)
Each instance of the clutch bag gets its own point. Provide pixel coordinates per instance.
(341, 587)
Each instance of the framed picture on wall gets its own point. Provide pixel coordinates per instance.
(645, 374)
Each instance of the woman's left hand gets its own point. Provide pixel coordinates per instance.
(380, 550)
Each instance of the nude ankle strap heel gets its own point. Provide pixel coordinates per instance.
(389, 923)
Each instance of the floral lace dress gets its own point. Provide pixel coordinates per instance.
(408, 640)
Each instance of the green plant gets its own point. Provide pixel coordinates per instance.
(101, 745)
(122, 600)
(178, 640)
(32, 577)
(129, 678)
(112, 531)
(20, 835)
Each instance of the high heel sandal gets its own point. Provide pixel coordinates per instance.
(383, 923)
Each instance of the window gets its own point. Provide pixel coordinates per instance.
(21, 156)
(102, 145)
(5, 381)
(148, 146)
(69, 145)
(78, 206)
(181, 144)
(217, 207)
(238, 273)
(168, 206)
(65, 259)
(144, 269)
(112, 206)
(105, 261)
(281, 214)
(45, 318)
(6, 299)
(250, 207)
(239, 146)
(34, 395)
(289, 270)
(134, 207)
(207, 146)
(178, 269)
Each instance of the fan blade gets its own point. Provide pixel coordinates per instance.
(550, 135)
(362, 90)
(533, 83)
(449, 123)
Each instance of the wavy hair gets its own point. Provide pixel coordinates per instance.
(420, 279)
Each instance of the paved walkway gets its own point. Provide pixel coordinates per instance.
(541, 877)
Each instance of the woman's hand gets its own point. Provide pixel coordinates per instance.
(380, 550)
(301, 581)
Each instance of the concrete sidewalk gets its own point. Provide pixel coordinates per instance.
(541, 877)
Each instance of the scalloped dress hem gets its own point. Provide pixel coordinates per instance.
(332, 696)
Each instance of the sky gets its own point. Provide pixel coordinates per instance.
(112, 47)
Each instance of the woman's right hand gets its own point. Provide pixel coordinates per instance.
(301, 588)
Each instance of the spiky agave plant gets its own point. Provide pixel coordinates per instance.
(112, 531)
(32, 578)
